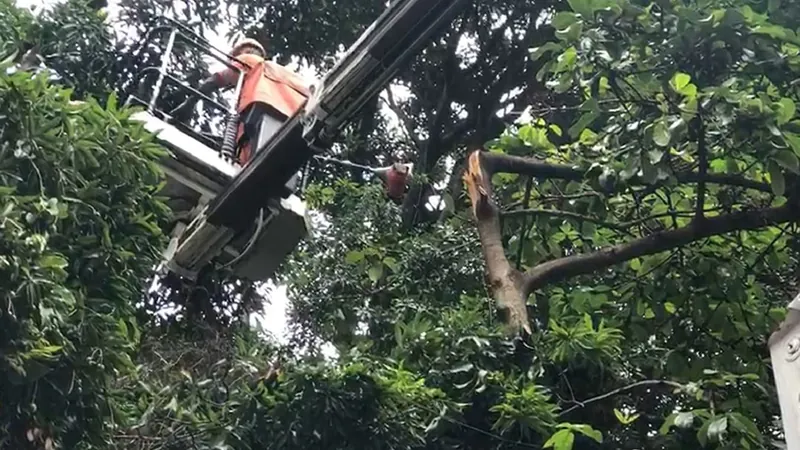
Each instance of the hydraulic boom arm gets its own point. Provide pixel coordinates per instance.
(253, 222)
(396, 36)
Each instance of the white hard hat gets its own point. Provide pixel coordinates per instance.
(244, 43)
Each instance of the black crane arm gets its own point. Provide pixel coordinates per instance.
(391, 41)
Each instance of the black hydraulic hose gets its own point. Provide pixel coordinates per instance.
(228, 149)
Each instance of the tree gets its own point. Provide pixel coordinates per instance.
(653, 339)
(684, 150)
(639, 292)
(65, 224)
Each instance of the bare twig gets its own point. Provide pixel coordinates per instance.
(703, 169)
(524, 231)
(620, 391)
(408, 123)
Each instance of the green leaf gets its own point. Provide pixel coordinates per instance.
(592, 109)
(582, 7)
(566, 61)
(665, 427)
(741, 422)
(777, 181)
(172, 405)
(669, 307)
(571, 33)
(793, 140)
(111, 102)
(588, 230)
(588, 137)
(47, 351)
(787, 160)
(122, 326)
(661, 134)
(589, 432)
(218, 443)
(462, 368)
(786, 110)
(561, 440)
(774, 31)
(718, 428)
(391, 263)
(684, 420)
(679, 81)
(731, 166)
(53, 262)
(7, 62)
(354, 257)
(375, 272)
(584, 121)
(538, 52)
(564, 19)
(586, 8)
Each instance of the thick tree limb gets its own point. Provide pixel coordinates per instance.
(570, 266)
(502, 163)
(505, 281)
(511, 288)
(408, 123)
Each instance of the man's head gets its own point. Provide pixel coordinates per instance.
(248, 45)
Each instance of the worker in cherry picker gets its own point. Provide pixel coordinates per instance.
(270, 94)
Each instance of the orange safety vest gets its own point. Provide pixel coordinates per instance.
(396, 183)
(264, 82)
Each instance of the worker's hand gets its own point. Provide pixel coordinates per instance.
(183, 112)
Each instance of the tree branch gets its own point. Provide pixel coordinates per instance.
(620, 391)
(511, 288)
(505, 282)
(703, 169)
(655, 243)
(524, 231)
(564, 214)
(503, 163)
(408, 123)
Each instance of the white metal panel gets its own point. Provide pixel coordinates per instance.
(201, 242)
(185, 144)
(784, 346)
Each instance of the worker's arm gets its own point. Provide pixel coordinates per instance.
(225, 78)
(182, 111)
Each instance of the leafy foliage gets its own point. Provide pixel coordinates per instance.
(67, 221)
(670, 113)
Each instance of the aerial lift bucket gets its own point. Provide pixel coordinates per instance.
(199, 167)
(249, 218)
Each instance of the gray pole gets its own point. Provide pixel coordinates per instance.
(784, 348)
